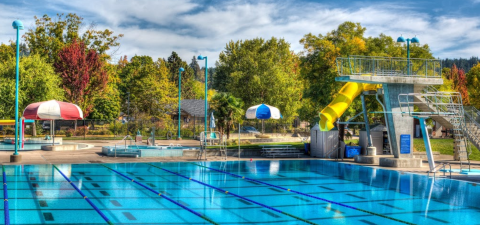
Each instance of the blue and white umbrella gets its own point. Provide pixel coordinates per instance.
(263, 112)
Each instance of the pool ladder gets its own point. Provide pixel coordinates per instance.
(125, 146)
(443, 166)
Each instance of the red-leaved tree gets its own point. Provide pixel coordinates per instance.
(82, 73)
(460, 83)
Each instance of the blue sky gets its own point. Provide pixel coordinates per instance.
(158, 27)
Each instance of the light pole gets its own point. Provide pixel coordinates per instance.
(200, 57)
(179, 99)
(18, 25)
(408, 40)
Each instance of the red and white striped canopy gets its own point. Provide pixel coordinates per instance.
(53, 110)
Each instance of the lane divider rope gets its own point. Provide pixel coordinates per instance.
(307, 195)
(84, 196)
(238, 196)
(6, 210)
(163, 196)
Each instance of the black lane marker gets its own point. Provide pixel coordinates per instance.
(35, 185)
(391, 206)
(303, 199)
(38, 193)
(274, 189)
(48, 216)
(81, 173)
(104, 193)
(151, 185)
(367, 222)
(253, 182)
(355, 196)
(139, 178)
(244, 202)
(301, 181)
(270, 213)
(183, 203)
(129, 216)
(280, 175)
(116, 203)
(33, 178)
(88, 178)
(95, 185)
(436, 219)
(43, 203)
(326, 188)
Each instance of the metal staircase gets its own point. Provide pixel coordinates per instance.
(447, 109)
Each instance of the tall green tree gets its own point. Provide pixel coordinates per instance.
(227, 110)
(198, 72)
(473, 80)
(262, 71)
(148, 83)
(189, 84)
(38, 82)
(50, 35)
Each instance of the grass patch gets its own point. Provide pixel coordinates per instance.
(444, 146)
(298, 145)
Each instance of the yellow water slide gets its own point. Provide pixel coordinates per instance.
(341, 103)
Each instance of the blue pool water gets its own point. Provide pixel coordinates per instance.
(6, 147)
(327, 193)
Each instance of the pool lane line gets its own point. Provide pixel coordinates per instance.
(5, 198)
(307, 195)
(84, 196)
(238, 196)
(163, 196)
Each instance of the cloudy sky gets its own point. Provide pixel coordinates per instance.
(158, 27)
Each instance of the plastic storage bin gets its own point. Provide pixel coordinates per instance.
(351, 151)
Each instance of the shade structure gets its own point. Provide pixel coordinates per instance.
(263, 112)
(53, 110)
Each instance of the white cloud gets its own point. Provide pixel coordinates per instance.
(157, 28)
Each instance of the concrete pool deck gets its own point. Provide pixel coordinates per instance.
(94, 155)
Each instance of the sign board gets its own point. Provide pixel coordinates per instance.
(405, 143)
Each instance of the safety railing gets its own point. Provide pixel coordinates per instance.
(335, 149)
(389, 66)
(212, 139)
(125, 146)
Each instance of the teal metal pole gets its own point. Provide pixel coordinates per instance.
(426, 141)
(206, 93)
(16, 91)
(179, 100)
(408, 56)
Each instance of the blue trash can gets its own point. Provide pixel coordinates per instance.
(351, 151)
(307, 148)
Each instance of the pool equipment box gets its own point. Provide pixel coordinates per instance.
(322, 142)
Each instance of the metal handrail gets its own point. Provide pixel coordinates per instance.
(388, 66)
(335, 148)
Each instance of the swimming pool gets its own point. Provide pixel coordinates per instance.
(259, 192)
(7, 147)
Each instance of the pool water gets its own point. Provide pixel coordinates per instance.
(6, 146)
(259, 192)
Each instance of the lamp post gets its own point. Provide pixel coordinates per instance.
(200, 57)
(128, 105)
(408, 40)
(179, 99)
(18, 25)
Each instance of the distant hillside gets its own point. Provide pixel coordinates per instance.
(465, 64)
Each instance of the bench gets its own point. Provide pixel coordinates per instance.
(280, 150)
